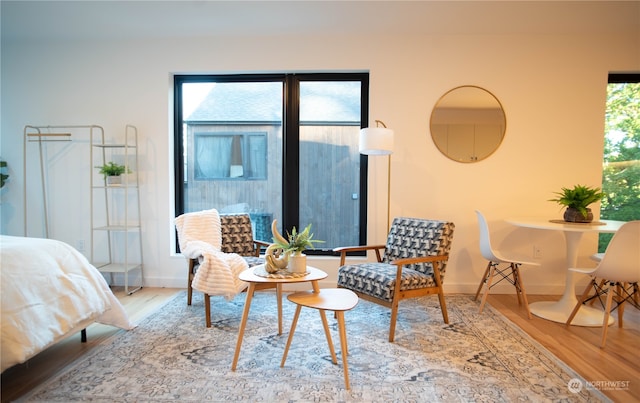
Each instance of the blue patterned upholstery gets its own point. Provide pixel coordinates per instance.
(409, 238)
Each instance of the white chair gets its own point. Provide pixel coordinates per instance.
(619, 271)
(510, 272)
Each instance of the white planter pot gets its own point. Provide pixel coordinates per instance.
(297, 263)
(114, 180)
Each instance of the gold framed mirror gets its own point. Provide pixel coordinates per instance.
(468, 124)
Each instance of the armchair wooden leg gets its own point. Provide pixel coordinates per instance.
(443, 306)
(207, 309)
(394, 317)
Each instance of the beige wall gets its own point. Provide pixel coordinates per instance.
(552, 88)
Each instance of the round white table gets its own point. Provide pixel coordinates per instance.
(559, 311)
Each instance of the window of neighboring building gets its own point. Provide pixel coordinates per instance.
(230, 156)
(276, 146)
(621, 164)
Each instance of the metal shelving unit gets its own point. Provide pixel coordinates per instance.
(116, 236)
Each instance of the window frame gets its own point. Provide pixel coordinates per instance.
(291, 140)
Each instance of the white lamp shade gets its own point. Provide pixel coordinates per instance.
(376, 141)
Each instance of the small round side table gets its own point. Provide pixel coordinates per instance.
(326, 299)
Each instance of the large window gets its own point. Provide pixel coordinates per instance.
(277, 146)
(621, 165)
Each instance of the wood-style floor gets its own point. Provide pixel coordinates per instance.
(578, 347)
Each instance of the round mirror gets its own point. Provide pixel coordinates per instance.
(468, 124)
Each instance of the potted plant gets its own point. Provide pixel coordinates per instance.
(112, 172)
(291, 247)
(577, 201)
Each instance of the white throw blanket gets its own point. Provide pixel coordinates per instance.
(200, 237)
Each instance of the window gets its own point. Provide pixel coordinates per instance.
(621, 164)
(230, 156)
(276, 146)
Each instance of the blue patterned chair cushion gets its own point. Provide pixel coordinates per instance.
(408, 237)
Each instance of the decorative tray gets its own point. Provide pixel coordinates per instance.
(284, 273)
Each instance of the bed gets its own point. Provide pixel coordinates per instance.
(49, 292)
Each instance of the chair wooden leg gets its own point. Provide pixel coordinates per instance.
(483, 281)
(394, 317)
(607, 311)
(520, 286)
(620, 300)
(515, 273)
(492, 272)
(207, 309)
(582, 298)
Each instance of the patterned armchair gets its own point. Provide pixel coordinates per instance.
(237, 237)
(416, 252)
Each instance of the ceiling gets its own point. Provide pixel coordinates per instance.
(110, 20)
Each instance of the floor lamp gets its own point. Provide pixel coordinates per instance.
(379, 141)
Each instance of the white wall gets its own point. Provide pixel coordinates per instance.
(551, 86)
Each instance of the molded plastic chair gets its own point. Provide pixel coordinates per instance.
(413, 265)
(619, 271)
(510, 272)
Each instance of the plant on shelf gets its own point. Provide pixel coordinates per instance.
(112, 170)
(577, 201)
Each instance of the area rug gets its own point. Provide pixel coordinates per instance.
(172, 356)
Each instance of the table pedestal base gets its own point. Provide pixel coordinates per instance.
(557, 312)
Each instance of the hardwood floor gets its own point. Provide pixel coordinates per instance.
(578, 347)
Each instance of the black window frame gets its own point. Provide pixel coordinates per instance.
(291, 114)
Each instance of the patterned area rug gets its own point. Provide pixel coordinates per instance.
(171, 356)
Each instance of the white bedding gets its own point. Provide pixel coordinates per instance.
(49, 289)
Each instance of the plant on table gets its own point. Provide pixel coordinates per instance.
(577, 200)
